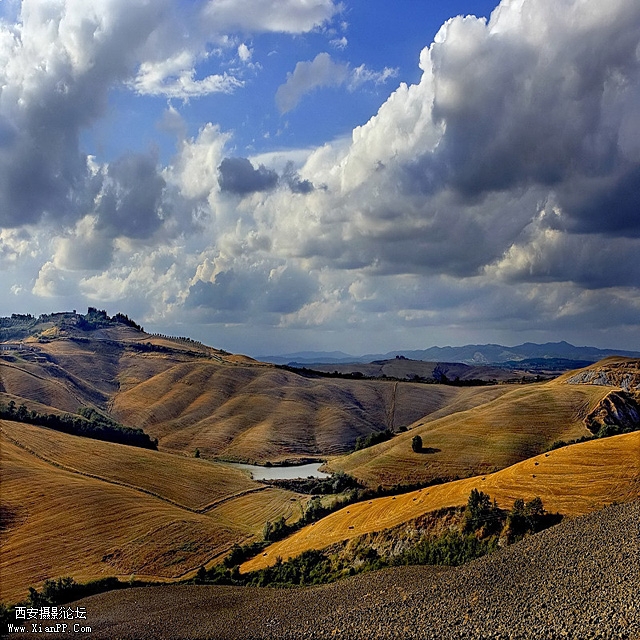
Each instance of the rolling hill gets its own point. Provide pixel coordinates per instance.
(103, 509)
(522, 422)
(191, 396)
(82, 507)
(573, 480)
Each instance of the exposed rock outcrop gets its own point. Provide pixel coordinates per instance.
(619, 411)
(624, 373)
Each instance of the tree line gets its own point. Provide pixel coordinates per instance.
(88, 423)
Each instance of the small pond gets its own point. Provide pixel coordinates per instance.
(282, 473)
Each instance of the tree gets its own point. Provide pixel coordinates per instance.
(479, 512)
(416, 444)
(197, 453)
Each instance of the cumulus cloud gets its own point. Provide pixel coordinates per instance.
(130, 201)
(176, 78)
(498, 191)
(59, 61)
(228, 296)
(322, 71)
(56, 67)
(244, 53)
(510, 116)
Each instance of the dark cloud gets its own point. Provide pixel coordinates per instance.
(289, 291)
(518, 113)
(55, 83)
(608, 205)
(131, 198)
(238, 176)
(234, 294)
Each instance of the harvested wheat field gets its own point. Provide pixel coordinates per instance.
(573, 480)
(522, 423)
(85, 508)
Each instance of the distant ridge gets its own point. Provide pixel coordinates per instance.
(468, 354)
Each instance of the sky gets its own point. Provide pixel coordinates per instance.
(271, 176)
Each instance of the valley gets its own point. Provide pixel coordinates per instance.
(89, 508)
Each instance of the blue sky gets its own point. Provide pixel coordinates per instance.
(376, 34)
(279, 175)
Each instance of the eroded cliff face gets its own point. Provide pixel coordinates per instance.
(618, 412)
(624, 374)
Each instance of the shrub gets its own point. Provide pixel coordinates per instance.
(416, 444)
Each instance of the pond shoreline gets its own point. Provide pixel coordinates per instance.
(282, 472)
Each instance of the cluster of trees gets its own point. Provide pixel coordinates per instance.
(88, 423)
(146, 347)
(61, 591)
(64, 590)
(375, 437)
(123, 318)
(440, 377)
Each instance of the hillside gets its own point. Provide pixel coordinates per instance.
(541, 587)
(573, 480)
(520, 423)
(406, 369)
(81, 507)
(266, 414)
(105, 509)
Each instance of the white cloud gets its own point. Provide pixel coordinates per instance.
(323, 71)
(339, 43)
(176, 78)
(499, 193)
(286, 16)
(244, 53)
(361, 75)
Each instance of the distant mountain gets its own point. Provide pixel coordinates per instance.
(474, 354)
(312, 357)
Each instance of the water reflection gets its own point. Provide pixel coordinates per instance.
(282, 473)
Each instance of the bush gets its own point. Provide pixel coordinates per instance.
(416, 444)
(525, 518)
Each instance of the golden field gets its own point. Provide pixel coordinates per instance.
(81, 507)
(573, 480)
(522, 422)
(191, 396)
(85, 508)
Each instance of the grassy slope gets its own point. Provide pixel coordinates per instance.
(572, 480)
(191, 483)
(66, 510)
(261, 413)
(515, 426)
